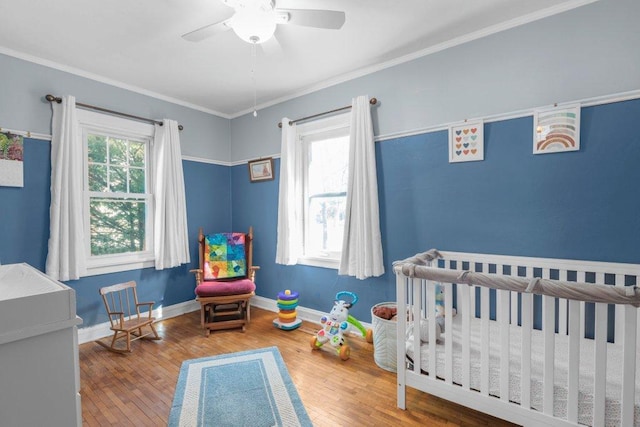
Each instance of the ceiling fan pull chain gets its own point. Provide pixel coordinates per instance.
(253, 77)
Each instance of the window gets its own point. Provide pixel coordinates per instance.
(325, 148)
(117, 210)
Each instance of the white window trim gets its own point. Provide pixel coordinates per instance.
(319, 262)
(116, 126)
(307, 130)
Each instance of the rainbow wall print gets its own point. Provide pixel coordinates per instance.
(466, 142)
(556, 130)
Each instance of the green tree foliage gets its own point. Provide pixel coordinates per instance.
(11, 146)
(118, 214)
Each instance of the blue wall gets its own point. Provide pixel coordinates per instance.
(583, 53)
(24, 85)
(24, 212)
(575, 205)
(24, 231)
(570, 205)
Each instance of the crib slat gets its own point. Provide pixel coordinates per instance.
(401, 289)
(548, 327)
(503, 318)
(630, 315)
(466, 336)
(448, 327)
(514, 299)
(505, 301)
(514, 308)
(472, 301)
(619, 314)
(418, 292)
(562, 308)
(574, 361)
(484, 356)
(600, 368)
(638, 329)
(525, 375)
(581, 277)
(430, 314)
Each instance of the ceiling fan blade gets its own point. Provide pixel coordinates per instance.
(207, 31)
(329, 19)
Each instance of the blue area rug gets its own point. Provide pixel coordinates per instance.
(249, 388)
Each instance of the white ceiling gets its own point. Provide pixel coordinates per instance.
(138, 45)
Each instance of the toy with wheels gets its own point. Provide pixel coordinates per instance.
(337, 323)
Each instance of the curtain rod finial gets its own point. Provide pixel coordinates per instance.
(373, 101)
(180, 127)
(280, 125)
(52, 98)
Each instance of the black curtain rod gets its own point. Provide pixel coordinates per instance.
(372, 101)
(52, 98)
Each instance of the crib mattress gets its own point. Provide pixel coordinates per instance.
(585, 416)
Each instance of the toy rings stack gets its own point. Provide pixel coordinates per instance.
(287, 316)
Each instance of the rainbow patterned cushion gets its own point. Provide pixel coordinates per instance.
(224, 256)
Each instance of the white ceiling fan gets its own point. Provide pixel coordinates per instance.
(254, 21)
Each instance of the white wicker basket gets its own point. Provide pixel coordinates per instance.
(384, 339)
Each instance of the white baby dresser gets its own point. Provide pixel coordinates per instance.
(39, 372)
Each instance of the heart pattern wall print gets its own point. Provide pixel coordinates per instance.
(466, 142)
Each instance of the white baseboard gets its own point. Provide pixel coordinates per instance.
(102, 330)
(304, 313)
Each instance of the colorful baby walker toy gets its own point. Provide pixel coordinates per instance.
(337, 323)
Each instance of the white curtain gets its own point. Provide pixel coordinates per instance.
(362, 242)
(289, 234)
(171, 242)
(65, 256)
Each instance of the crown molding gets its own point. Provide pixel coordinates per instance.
(516, 22)
(106, 80)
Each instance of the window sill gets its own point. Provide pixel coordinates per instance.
(320, 262)
(106, 266)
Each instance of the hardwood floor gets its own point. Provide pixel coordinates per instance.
(137, 388)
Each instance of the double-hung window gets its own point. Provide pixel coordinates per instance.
(325, 154)
(118, 203)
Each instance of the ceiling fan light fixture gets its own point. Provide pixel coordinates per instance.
(254, 25)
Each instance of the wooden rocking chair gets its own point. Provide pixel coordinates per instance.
(123, 309)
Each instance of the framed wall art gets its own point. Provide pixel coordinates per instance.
(466, 142)
(11, 155)
(261, 169)
(556, 129)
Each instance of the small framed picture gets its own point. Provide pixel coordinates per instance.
(556, 129)
(261, 169)
(466, 142)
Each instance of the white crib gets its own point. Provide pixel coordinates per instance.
(523, 356)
